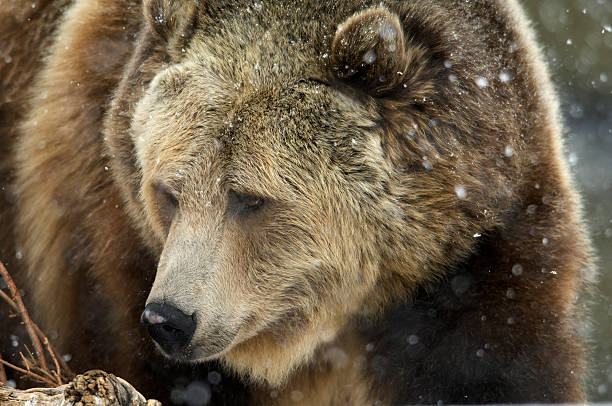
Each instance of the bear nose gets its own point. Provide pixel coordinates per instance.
(168, 326)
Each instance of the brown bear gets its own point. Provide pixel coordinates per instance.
(347, 202)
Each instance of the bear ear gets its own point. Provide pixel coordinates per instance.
(368, 51)
(170, 19)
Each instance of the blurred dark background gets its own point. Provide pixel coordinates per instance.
(576, 37)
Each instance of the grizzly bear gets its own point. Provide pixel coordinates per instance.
(347, 202)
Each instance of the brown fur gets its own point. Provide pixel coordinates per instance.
(321, 185)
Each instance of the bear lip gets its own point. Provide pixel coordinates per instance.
(203, 350)
(199, 351)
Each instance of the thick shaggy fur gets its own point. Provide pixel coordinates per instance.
(359, 201)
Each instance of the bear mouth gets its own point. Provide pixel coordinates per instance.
(217, 343)
(212, 347)
(195, 353)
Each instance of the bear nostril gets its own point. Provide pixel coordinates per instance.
(152, 318)
(168, 326)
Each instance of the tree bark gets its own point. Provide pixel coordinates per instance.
(93, 388)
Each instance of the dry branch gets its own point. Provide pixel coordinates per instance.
(3, 380)
(93, 388)
(35, 367)
(23, 313)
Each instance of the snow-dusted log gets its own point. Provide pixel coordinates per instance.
(91, 388)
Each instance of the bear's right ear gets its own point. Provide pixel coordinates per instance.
(170, 19)
(369, 52)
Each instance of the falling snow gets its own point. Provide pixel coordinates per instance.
(482, 82)
(460, 192)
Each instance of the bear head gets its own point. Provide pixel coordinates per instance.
(292, 173)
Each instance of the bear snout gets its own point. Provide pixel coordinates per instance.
(168, 326)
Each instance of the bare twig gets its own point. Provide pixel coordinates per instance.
(32, 366)
(31, 363)
(38, 364)
(29, 373)
(25, 361)
(54, 358)
(3, 379)
(65, 369)
(8, 300)
(24, 316)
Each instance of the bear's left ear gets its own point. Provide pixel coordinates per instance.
(369, 51)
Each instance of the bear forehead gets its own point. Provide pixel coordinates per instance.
(257, 134)
(274, 27)
(194, 96)
(255, 88)
(260, 71)
(266, 42)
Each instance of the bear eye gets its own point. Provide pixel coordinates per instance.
(243, 203)
(166, 204)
